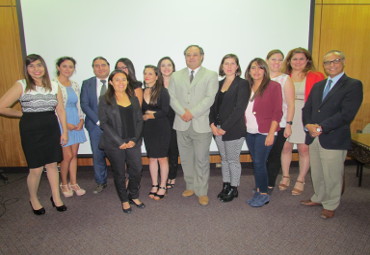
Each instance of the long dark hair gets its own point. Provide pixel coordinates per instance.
(155, 91)
(62, 59)
(266, 76)
(160, 75)
(130, 67)
(110, 94)
(30, 83)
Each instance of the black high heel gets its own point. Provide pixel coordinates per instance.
(40, 211)
(152, 194)
(61, 208)
(141, 205)
(159, 197)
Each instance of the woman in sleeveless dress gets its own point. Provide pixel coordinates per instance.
(300, 67)
(75, 122)
(39, 129)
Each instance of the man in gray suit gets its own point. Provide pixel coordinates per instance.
(192, 91)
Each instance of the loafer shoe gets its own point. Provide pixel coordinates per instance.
(309, 203)
(187, 193)
(99, 188)
(327, 214)
(255, 195)
(260, 200)
(203, 200)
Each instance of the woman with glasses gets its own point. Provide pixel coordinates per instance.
(126, 65)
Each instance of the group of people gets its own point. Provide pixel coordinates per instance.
(281, 102)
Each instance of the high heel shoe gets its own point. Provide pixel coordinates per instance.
(230, 195)
(151, 194)
(159, 197)
(141, 205)
(128, 210)
(225, 190)
(61, 208)
(298, 188)
(40, 211)
(282, 185)
(76, 188)
(66, 191)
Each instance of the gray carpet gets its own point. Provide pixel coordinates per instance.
(95, 224)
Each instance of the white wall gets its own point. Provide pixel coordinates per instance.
(145, 31)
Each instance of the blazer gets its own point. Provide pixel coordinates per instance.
(111, 124)
(232, 108)
(268, 107)
(89, 103)
(335, 113)
(197, 97)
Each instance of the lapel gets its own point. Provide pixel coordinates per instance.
(116, 117)
(334, 90)
(94, 93)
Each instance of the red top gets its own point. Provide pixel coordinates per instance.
(311, 78)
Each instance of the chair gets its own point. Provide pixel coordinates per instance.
(360, 165)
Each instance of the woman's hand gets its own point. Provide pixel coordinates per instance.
(80, 125)
(214, 130)
(269, 139)
(288, 131)
(71, 126)
(64, 138)
(128, 145)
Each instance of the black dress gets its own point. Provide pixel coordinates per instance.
(157, 132)
(39, 127)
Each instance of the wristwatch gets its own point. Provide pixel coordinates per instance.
(289, 122)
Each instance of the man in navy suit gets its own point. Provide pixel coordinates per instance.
(327, 115)
(91, 90)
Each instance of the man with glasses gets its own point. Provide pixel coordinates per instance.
(192, 91)
(91, 90)
(327, 115)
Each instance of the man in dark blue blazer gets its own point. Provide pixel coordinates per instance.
(327, 115)
(91, 90)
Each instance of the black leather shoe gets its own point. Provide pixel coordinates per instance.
(232, 193)
(61, 208)
(141, 206)
(40, 211)
(225, 190)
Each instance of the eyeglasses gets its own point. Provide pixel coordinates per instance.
(335, 61)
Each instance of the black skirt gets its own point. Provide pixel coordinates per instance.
(40, 137)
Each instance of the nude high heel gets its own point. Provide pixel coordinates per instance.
(298, 188)
(282, 185)
(67, 192)
(76, 188)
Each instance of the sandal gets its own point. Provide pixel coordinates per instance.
(169, 184)
(298, 188)
(152, 194)
(282, 185)
(159, 197)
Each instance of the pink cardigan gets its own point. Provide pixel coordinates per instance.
(268, 107)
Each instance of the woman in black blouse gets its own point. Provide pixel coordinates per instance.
(121, 120)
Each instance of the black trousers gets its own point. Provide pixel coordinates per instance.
(119, 159)
(274, 159)
(173, 155)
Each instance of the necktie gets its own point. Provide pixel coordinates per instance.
(191, 76)
(327, 89)
(103, 87)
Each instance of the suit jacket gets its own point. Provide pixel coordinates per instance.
(335, 113)
(231, 111)
(197, 97)
(111, 123)
(89, 103)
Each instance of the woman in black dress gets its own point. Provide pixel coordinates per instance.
(121, 120)
(39, 129)
(157, 130)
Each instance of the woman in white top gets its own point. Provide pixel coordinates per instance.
(274, 60)
(39, 128)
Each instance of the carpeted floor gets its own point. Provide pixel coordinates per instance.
(95, 224)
